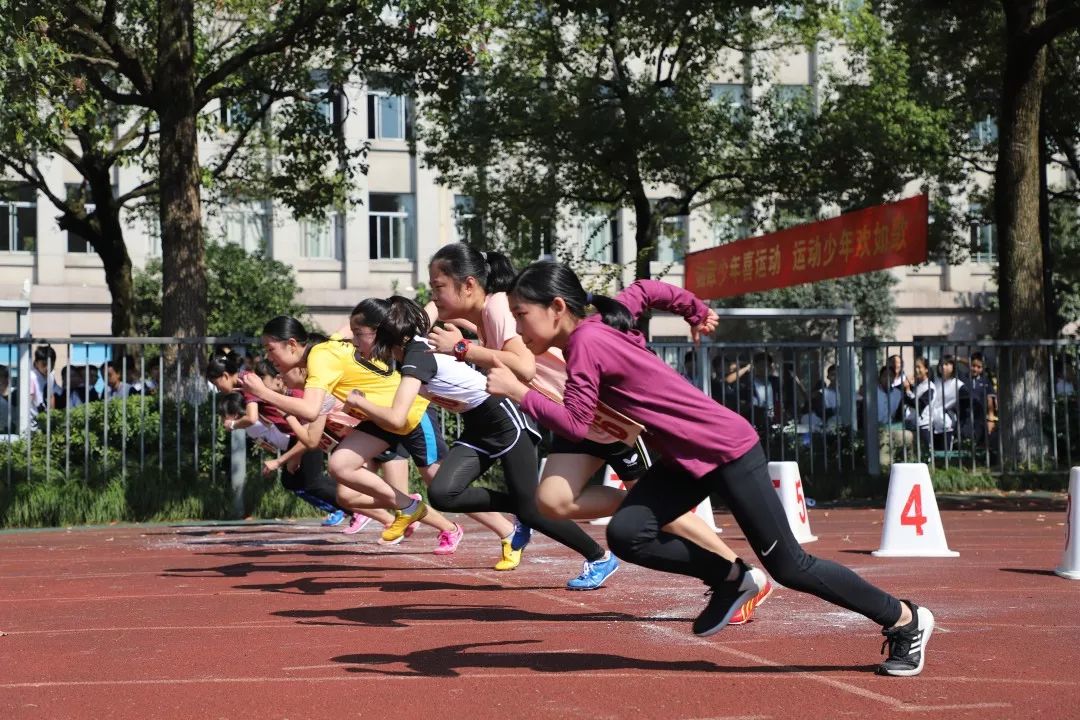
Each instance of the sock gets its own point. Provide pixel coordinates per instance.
(411, 507)
(509, 537)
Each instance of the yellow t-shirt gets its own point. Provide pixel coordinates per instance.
(334, 367)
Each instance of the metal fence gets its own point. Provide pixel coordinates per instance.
(816, 403)
(984, 406)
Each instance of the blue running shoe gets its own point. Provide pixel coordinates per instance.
(521, 537)
(335, 518)
(593, 574)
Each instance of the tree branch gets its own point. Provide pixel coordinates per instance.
(1061, 20)
(147, 188)
(127, 62)
(269, 44)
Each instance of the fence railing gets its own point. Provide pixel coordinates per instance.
(827, 405)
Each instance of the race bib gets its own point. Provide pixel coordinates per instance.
(608, 422)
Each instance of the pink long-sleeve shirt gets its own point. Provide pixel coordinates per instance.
(690, 429)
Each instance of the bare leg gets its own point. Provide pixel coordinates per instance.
(347, 466)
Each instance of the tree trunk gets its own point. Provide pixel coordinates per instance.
(645, 233)
(1053, 318)
(1024, 386)
(183, 250)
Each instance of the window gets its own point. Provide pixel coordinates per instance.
(599, 238)
(387, 116)
(76, 243)
(729, 223)
(234, 113)
(391, 221)
(792, 103)
(731, 94)
(328, 99)
(531, 235)
(18, 218)
(984, 132)
(931, 347)
(246, 224)
(983, 236)
(468, 226)
(320, 238)
(153, 234)
(673, 240)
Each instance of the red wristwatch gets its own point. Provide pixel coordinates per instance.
(461, 347)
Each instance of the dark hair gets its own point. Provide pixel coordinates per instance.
(492, 270)
(222, 363)
(265, 368)
(977, 357)
(231, 404)
(284, 328)
(544, 281)
(396, 320)
(45, 354)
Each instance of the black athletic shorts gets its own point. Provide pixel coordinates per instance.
(629, 463)
(425, 444)
(397, 452)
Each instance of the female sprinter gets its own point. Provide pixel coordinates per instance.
(225, 371)
(323, 435)
(334, 369)
(494, 428)
(706, 448)
(471, 285)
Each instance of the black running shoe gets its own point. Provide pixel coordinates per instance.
(907, 644)
(725, 600)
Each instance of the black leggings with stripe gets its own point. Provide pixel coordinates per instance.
(497, 433)
(666, 492)
(310, 482)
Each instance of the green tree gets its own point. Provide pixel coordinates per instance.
(607, 105)
(155, 70)
(603, 105)
(243, 291)
(1012, 65)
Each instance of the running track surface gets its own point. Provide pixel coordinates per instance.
(292, 620)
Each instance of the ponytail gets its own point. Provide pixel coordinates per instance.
(492, 270)
(500, 273)
(395, 320)
(223, 363)
(542, 282)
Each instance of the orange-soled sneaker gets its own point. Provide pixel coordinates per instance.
(744, 614)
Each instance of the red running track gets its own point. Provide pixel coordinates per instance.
(291, 620)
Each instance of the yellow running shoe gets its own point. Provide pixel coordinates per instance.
(511, 558)
(402, 520)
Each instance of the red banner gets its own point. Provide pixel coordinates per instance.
(873, 239)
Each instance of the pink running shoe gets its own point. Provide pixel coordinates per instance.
(358, 523)
(449, 540)
(412, 528)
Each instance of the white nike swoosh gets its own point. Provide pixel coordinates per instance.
(766, 552)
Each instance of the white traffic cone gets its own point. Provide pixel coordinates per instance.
(788, 485)
(1070, 560)
(611, 479)
(912, 526)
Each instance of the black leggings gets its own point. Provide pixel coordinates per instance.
(452, 491)
(665, 493)
(311, 483)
